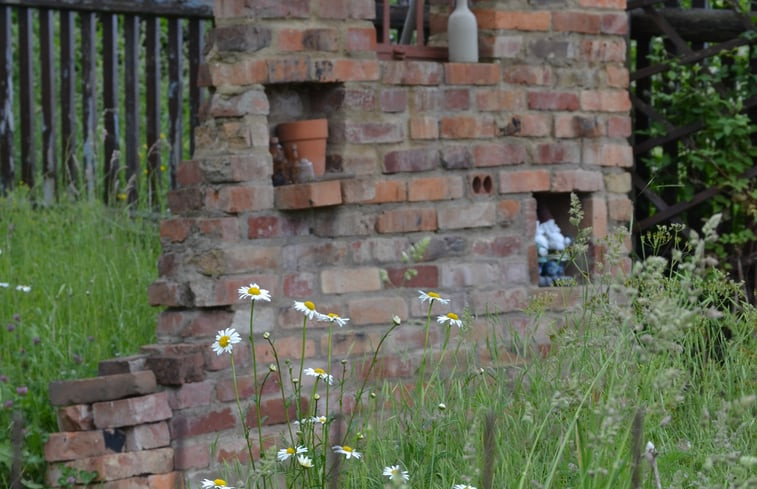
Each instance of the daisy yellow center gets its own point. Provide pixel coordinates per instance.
(332, 315)
(395, 471)
(319, 371)
(290, 450)
(434, 295)
(253, 291)
(347, 449)
(224, 341)
(310, 305)
(452, 316)
(219, 482)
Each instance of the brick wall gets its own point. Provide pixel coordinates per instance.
(461, 153)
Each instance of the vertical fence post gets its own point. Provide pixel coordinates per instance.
(67, 102)
(175, 89)
(152, 99)
(50, 162)
(26, 53)
(131, 105)
(110, 100)
(89, 107)
(7, 170)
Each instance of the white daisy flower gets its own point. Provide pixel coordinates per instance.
(225, 339)
(304, 461)
(396, 474)
(4, 285)
(450, 319)
(286, 453)
(347, 451)
(254, 293)
(307, 308)
(215, 484)
(463, 486)
(24, 288)
(319, 419)
(431, 297)
(320, 373)
(333, 318)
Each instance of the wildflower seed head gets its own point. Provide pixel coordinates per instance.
(266, 335)
(344, 362)
(396, 320)
(317, 396)
(272, 367)
(442, 406)
(373, 395)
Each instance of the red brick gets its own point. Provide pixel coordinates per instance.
(273, 412)
(583, 22)
(500, 246)
(246, 259)
(620, 208)
(501, 46)
(189, 425)
(393, 100)
(246, 103)
(529, 75)
(131, 411)
(246, 387)
(608, 154)
(105, 388)
(534, 124)
(463, 215)
(77, 417)
(577, 180)
(552, 101)
(605, 100)
(424, 127)
(348, 344)
(560, 152)
(147, 436)
(487, 155)
(348, 70)
(373, 132)
(287, 348)
(244, 72)
(425, 276)
(188, 173)
(273, 226)
(434, 188)
(457, 99)
(237, 168)
(608, 4)
(390, 191)
(595, 215)
(292, 69)
(412, 72)
(523, 181)
(513, 20)
(235, 199)
(508, 210)
(361, 39)
(170, 480)
(191, 456)
(177, 368)
(603, 50)
(467, 127)
(82, 444)
(190, 395)
(307, 195)
(498, 100)
(345, 9)
(410, 160)
(184, 200)
(497, 301)
(575, 126)
(619, 183)
(344, 280)
(299, 285)
(175, 230)
(406, 220)
(615, 23)
(471, 73)
(377, 310)
(359, 99)
(617, 76)
(118, 466)
(619, 126)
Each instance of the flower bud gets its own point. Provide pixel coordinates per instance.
(442, 406)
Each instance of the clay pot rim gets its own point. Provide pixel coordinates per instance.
(303, 129)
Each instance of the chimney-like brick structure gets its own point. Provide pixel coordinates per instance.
(465, 154)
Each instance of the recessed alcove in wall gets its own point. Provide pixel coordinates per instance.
(556, 207)
(290, 102)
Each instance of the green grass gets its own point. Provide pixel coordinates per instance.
(88, 269)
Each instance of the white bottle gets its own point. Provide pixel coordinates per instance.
(462, 34)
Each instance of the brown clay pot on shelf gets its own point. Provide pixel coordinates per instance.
(309, 136)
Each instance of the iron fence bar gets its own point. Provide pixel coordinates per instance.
(175, 90)
(163, 8)
(89, 106)
(47, 62)
(67, 102)
(26, 97)
(131, 105)
(7, 171)
(152, 73)
(112, 156)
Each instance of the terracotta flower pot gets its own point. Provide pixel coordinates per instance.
(310, 137)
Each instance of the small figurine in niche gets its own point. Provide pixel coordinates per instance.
(550, 246)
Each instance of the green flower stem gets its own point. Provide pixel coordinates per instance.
(367, 375)
(245, 429)
(281, 389)
(422, 370)
(298, 388)
(325, 430)
(258, 391)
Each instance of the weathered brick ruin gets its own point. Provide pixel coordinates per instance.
(461, 153)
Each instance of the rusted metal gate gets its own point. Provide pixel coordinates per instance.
(78, 62)
(692, 36)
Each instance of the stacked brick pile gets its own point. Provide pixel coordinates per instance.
(115, 426)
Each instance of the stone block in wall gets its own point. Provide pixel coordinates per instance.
(132, 411)
(105, 388)
(117, 466)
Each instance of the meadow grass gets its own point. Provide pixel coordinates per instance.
(87, 269)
